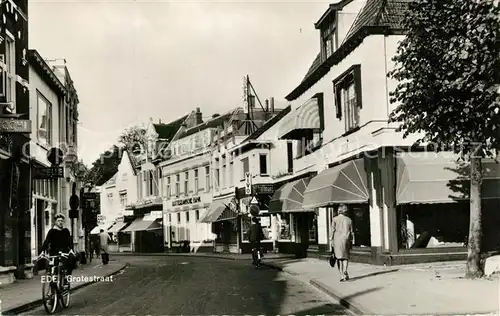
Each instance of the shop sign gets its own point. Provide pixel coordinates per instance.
(15, 125)
(128, 213)
(248, 183)
(264, 189)
(191, 200)
(156, 214)
(48, 173)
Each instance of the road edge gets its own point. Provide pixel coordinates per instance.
(353, 307)
(35, 304)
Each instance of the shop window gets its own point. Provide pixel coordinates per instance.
(285, 226)
(263, 164)
(360, 216)
(433, 225)
(313, 229)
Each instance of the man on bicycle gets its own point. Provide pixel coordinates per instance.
(255, 236)
(59, 240)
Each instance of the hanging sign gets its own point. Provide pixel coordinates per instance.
(10, 125)
(248, 183)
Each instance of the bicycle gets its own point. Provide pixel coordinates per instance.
(54, 289)
(257, 254)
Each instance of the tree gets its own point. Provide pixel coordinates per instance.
(134, 139)
(447, 67)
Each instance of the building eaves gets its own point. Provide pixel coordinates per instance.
(212, 123)
(331, 9)
(376, 17)
(167, 131)
(45, 71)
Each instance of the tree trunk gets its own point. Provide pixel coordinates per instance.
(474, 268)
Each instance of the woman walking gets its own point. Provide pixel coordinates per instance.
(341, 237)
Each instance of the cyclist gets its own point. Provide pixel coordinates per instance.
(255, 236)
(59, 240)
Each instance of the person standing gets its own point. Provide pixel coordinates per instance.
(104, 239)
(342, 235)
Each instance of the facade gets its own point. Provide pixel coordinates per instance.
(402, 199)
(115, 195)
(15, 195)
(54, 109)
(145, 215)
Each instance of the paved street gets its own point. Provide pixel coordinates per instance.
(198, 286)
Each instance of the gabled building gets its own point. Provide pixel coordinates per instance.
(145, 213)
(399, 196)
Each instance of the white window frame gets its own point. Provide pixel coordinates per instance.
(196, 184)
(167, 194)
(186, 182)
(207, 178)
(350, 106)
(177, 184)
(41, 97)
(8, 65)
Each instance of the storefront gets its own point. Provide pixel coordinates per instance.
(183, 230)
(223, 217)
(433, 210)
(345, 183)
(295, 226)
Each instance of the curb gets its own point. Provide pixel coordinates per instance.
(348, 304)
(31, 305)
(215, 256)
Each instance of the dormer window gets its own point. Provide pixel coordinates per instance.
(328, 38)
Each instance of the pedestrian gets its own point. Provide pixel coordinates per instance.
(104, 239)
(255, 236)
(341, 237)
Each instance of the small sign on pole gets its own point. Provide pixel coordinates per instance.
(248, 183)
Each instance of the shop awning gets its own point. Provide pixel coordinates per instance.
(289, 197)
(429, 177)
(220, 210)
(97, 230)
(117, 227)
(306, 118)
(345, 183)
(140, 224)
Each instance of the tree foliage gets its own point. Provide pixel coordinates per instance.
(448, 72)
(107, 164)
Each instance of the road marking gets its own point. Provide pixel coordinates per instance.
(100, 264)
(184, 263)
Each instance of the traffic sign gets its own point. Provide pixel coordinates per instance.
(254, 201)
(248, 183)
(10, 125)
(254, 210)
(55, 156)
(74, 202)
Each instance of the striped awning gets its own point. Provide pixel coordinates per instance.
(302, 121)
(345, 183)
(289, 197)
(220, 210)
(430, 177)
(140, 224)
(117, 227)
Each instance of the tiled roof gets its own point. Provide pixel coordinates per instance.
(375, 14)
(111, 181)
(167, 131)
(388, 13)
(212, 123)
(267, 125)
(133, 162)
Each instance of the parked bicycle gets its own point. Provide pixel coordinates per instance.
(56, 288)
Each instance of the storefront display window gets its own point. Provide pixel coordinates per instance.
(313, 229)
(285, 222)
(433, 225)
(360, 216)
(266, 227)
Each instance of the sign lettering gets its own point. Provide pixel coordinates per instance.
(264, 189)
(15, 126)
(196, 199)
(248, 183)
(48, 173)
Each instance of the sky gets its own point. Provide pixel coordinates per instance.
(135, 60)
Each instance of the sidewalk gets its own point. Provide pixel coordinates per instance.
(229, 256)
(25, 294)
(433, 288)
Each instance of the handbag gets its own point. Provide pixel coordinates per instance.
(332, 260)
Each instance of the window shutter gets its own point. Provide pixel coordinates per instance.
(357, 86)
(338, 105)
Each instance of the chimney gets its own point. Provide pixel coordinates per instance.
(199, 117)
(272, 104)
(159, 121)
(267, 105)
